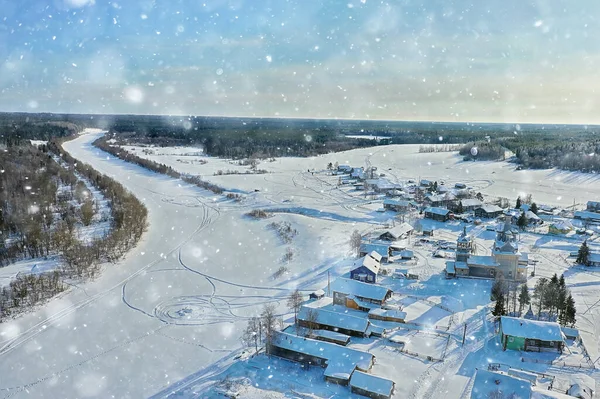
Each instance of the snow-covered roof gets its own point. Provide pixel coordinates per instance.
(330, 335)
(570, 332)
(369, 247)
(437, 211)
(587, 215)
(397, 314)
(370, 262)
(376, 256)
(319, 292)
(334, 319)
(399, 230)
(482, 260)
(489, 208)
(396, 202)
(450, 267)
(532, 329)
(342, 356)
(562, 225)
(359, 289)
(371, 383)
(407, 253)
(340, 370)
(363, 304)
(531, 215)
(506, 247)
(582, 386)
(487, 383)
(472, 202)
(461, 265)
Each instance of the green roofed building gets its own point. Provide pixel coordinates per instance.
(530, 335)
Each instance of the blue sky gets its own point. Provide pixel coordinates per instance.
(504, 61)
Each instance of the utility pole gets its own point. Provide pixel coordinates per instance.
(464, 334)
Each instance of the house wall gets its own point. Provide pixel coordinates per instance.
(508, 264)
(462, 272)
(297, 357)
(479, 271)
(339, 298)
(513, 343)
(363, 274)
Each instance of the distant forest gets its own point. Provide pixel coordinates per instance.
(569, 147)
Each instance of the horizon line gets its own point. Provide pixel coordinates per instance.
(303, 118)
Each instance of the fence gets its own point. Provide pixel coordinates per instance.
(559, 363)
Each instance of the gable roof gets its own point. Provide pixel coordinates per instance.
(399, 230)
(533, 329)
(371, 383)
(471, 202)
(370, 262)
(482, 260)
(489, 208)
(370, 247)
(437, 211)
(335, 319)
(359, 289)
(337, 355)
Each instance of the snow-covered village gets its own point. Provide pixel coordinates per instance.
(382, 273)
(299, 199)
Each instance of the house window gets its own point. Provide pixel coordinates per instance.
(509, 274)
(369, 278)
(491, 272)
(511, 339)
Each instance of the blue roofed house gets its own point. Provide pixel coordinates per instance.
(494, 385)
(368, 269)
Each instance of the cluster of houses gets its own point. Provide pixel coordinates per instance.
(591, 214)
(325, 325)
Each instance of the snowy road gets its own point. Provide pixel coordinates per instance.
(169, 309)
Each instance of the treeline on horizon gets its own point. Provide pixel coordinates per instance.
(569, 147)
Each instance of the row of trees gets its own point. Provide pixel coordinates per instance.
(33, 211)
(129, 221)
(551, 299)
(103, 144)
(482, 151)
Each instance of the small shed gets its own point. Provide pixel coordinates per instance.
(397, 232)
(318, 294)
(382, 249)
(560, 227)
(407, 254)
(371, 386)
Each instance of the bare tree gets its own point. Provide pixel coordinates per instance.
(311, 320)
(251, 334)
(268, 323)
(355, 241)
(295, 302)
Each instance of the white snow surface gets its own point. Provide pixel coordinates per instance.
(167, 318)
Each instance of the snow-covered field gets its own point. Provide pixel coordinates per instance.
(167, 319)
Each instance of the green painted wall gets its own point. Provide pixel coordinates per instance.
(514, 343)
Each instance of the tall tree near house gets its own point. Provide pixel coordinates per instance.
(251, 334)
(524, 298)
(583, 256)
(459, 208)
(539, 293)
(269, 324)
(518, 204)
(355, 241)
(499, 288)
(534, 208)
(479, 196)
(499, 309)
(522, 221)
(295, 302)
(569, 312)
